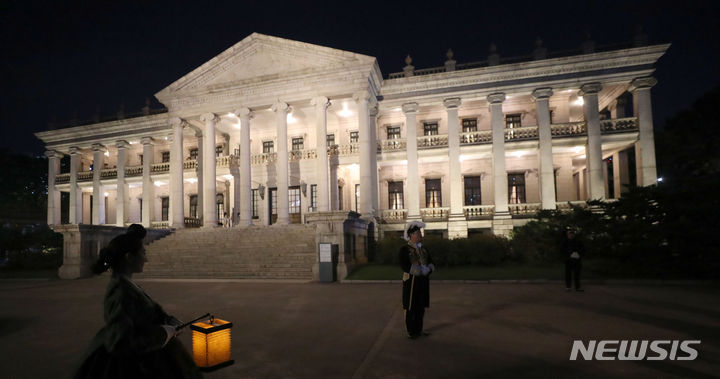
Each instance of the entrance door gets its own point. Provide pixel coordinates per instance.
(272, 202)
(294, 205)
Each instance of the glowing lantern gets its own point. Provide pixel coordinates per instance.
(211, 344)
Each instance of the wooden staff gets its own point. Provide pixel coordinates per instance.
(190, 322)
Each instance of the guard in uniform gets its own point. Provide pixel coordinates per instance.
(417, 267)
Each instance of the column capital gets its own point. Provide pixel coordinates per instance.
(98, 147)
(53, 154)
(496, 98)
(590, 88)
(177, 122)
(320, 101)
(642, 82)
(410, 108)
(542, 93)
(373, 111)
(209, 117)
(74, 150)
(122, 144)
(244, 112)
(280, 107)
(452, 102)
(147, 141)
(361, 96)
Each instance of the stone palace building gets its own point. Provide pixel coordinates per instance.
(274, 131)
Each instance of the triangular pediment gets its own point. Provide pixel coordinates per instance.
(260, 58)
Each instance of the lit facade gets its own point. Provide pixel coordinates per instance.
(473, 147)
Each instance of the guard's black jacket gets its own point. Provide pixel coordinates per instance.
(418, 284)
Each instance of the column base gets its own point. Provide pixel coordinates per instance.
(457, 226)
(502, 224)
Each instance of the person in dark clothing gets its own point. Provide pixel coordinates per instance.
(417, 266)
(137, 340)
(573, 250)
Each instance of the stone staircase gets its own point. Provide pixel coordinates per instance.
(257, 252)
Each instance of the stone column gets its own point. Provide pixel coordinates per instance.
(75, 211)
(199, 175)
(374, 183)
(148, 189)
(645, 147)
(283, 208)
(121, 214)
(98, 214)
(209, 187)
(53, 201)
(245, 206)
(593, 150)
(545, 158)
(177, 193)
(334, 193)
(457, 224)
(323, 187)
(413, 185)
(366, 209)
(502, 222)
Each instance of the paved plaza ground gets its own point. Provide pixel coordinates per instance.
(315, 330)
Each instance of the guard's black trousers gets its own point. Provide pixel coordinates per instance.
(572, 271)
(414, 320)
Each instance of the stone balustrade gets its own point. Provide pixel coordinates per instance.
(160, 224)
(62, 178)
(426, 142)
(476, 137)
(568, 129)
(394, 215)
(156, 168)
(225, 160)
(190, 165)
(133, 171)
(262, 159)
(192, 222)
(618, 125)
(108, 173)
(524, 209)
(567, 206)
(296, 155)
(478, 212)
(434, 214)
(85, 176)
(523, 133)
(390, 145)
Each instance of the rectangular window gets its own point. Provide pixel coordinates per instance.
(472, 190)
(313, 196)
(469, 125)
(552, 114)
(193, 206)
(218, 150)
(513, 120)
(220, 206)
(141, 160)
(433, 193)
(236, 151)
(395, 195)
(330, 139)
(255, 202)
(294, 199)
(430, 128)
(516, 188)
(268, 147)
(354, 137)
(298, 144)
(393, 132)
(193, 154)
(165, 208)
(165, 156)
(340, 198)
(357, 197)
(273, 201)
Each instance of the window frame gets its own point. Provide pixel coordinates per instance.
(393, 132)
(430, 128)
(471, 125)
(510, 120)
(475, 195)
(517, 197)
(432, 199)
(396, 202)
(268, 146)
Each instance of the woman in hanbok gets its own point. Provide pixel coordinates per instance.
(137, 340)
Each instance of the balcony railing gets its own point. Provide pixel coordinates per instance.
(389, 145)
(62, 178)
(85, 176)
(476, 137)
(568, 205)
(190, 165)
(133, 171)
(434, 214)
(394, 215)
(426, 142)
(618, 125)
(264, 158)
(160, 224)
(160, 167)
(296, 155)
(224, 161)
(525, 209)
(568, 129)
(478, 212)
(108, 173)
(523, 133)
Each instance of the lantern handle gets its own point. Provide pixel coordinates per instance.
(190, 322)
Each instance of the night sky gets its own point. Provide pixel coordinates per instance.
(61, 60)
